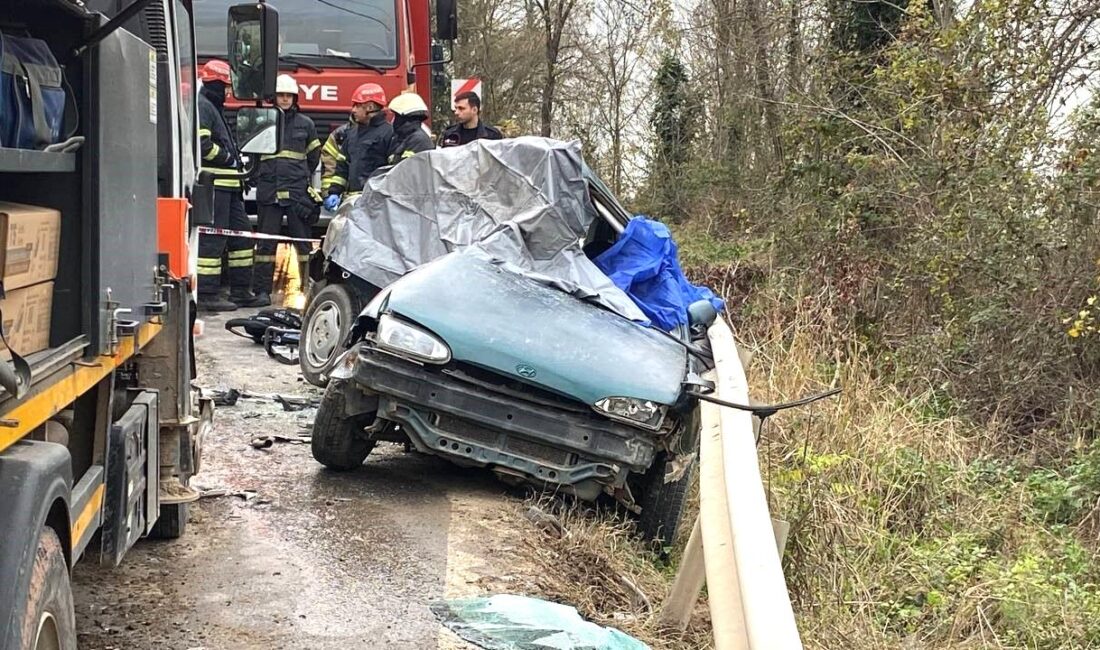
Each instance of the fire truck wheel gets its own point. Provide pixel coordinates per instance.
(49, 622)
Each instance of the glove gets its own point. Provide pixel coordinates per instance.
(332, 202)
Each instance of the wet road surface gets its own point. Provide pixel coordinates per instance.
(302, 557)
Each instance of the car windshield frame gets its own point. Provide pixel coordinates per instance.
(301, 20)
(604, 200)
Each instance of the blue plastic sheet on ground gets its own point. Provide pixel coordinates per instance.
(643, 263)
(507, 622)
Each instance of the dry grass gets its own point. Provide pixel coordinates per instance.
(911, 527)
(596, 564)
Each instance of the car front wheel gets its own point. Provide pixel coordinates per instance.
(662, 503)
(339, 441)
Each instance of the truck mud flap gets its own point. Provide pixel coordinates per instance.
(131, 505)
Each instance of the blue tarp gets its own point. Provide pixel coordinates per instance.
(643, 263)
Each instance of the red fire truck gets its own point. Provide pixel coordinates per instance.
(333, 46)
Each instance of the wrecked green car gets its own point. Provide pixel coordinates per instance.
(511, 350)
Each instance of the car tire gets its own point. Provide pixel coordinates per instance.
(49, 620)
(328, 319)
(662, 503)
(338, 440)
(172, 522)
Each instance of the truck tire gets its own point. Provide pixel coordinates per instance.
(328, 319)
(171, 523)
(338, 440)
(662, 503)
(49, 622)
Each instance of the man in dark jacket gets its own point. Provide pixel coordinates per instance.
(409, 138)
(283, 187)
(220, 156)
(331, 152)
(469, 126)
(366, 145)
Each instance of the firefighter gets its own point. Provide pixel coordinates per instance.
(283, 187)
(468, 126)
(220, 155)
(366, 146)
(331, 151)
(409, 112)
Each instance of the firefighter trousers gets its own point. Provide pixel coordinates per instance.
(228, 213)
(271, 223)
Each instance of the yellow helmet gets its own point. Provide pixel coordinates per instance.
(409, 105)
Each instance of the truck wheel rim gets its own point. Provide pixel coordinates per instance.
(324, 333)
(48, 637)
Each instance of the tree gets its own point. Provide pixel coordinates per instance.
(673, 132)
(555, 20)
(617, 79)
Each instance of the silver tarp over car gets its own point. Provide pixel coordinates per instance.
(521, 202)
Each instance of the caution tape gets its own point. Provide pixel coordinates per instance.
(207, 230)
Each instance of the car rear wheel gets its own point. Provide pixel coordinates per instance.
(339, 442)
(329, 318)
(662, 503)
(49, 622)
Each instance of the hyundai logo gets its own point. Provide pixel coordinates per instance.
(524, 370)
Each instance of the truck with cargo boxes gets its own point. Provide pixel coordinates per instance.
(100, 199)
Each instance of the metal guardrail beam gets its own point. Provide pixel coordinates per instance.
(747, 593)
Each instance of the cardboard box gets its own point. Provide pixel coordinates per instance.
(30, 238)
(25, 314)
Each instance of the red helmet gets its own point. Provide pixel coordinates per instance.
(215, 70)
(369, 92)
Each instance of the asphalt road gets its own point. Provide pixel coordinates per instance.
(299, 557)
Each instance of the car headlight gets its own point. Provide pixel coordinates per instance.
(410, 341)
(640, 412)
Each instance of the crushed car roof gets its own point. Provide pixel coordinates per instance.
(522, 203)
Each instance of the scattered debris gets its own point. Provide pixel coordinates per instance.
(291, 403)
(508, 622)
(546, 522)
(227, 397)
(211, 493)
(265, 441)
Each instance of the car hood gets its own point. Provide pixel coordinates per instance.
(514, 325)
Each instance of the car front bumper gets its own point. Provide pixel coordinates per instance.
(446, 414)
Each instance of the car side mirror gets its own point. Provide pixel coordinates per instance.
(701, 315)
(259, 130)
(446, 20)
(253, 50)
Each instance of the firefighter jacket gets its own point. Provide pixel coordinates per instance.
(286, 177)
(219, 150)
(330, 152)
(456, 135)
(365, 149)
(408, 139)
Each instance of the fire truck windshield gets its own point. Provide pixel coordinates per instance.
(332, 33)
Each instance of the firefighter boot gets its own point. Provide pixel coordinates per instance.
(303, 277)
(215, 303)
(245, 298)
